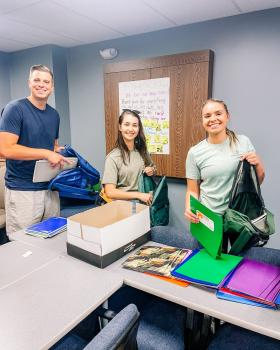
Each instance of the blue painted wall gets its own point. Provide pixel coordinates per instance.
(246, 76)
(4, 80)
(20, 63)
(61, 93)
(55, 58)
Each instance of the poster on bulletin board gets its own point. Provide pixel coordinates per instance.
(151, 98)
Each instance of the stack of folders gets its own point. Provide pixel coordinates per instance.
(239, 280)
(201, 268)
(47, 228)
(255, 283)
(207, 267)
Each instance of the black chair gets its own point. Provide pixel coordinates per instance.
(128, 331)
(174, 237)
(72, 206)
(263, 254)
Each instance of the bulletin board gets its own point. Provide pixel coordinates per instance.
(170, 91)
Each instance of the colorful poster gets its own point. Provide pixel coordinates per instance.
(151, 98)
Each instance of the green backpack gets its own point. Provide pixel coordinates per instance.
(159, 209)
(246, 221)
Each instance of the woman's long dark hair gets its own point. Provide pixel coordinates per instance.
(233, 139)
(139, 142)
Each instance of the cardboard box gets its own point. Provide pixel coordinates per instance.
(104, 234)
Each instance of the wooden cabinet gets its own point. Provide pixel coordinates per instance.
(190, 85)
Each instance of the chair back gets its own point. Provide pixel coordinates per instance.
(120, 333)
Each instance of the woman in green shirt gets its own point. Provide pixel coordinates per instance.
(212, 163)
(128, 160)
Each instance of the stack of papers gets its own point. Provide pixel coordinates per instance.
(253, 282)
(202, 269)
(47, 228)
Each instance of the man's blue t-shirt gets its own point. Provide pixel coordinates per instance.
(36, 128)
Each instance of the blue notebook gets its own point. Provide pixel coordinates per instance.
(48, 227)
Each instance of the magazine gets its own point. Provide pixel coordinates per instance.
(156, 260)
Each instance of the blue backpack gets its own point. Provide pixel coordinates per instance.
(82, 182)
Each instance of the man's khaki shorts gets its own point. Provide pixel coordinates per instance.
(24, 208)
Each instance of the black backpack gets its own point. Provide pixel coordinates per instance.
(246, 221)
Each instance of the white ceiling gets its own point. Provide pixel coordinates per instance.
(30, 23)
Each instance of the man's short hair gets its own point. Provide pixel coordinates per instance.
(40, 68)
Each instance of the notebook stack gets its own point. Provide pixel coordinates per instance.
(47, 228)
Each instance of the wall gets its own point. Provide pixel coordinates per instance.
(246, 76)
(20, 63)
(4, 80)
(54, 58)
(61, 93)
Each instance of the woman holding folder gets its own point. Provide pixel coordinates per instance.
(212, 163)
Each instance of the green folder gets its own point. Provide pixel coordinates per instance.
(209, 230)
(202, 267)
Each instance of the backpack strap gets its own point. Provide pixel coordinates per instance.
(244, 165)
(235, 182)
(253, 169)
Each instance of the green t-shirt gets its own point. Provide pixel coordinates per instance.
(215, 166)
(124, 176)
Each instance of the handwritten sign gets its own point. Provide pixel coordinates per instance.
(151, 98)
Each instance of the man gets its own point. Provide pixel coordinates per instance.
(29, 129)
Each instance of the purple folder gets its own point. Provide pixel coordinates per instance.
(256, 279)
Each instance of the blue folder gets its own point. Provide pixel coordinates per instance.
(48, 227)
(238, 299)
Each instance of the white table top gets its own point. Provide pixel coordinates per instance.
(39, 309)
(204, 300)
(56, 243)
(18, 259)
